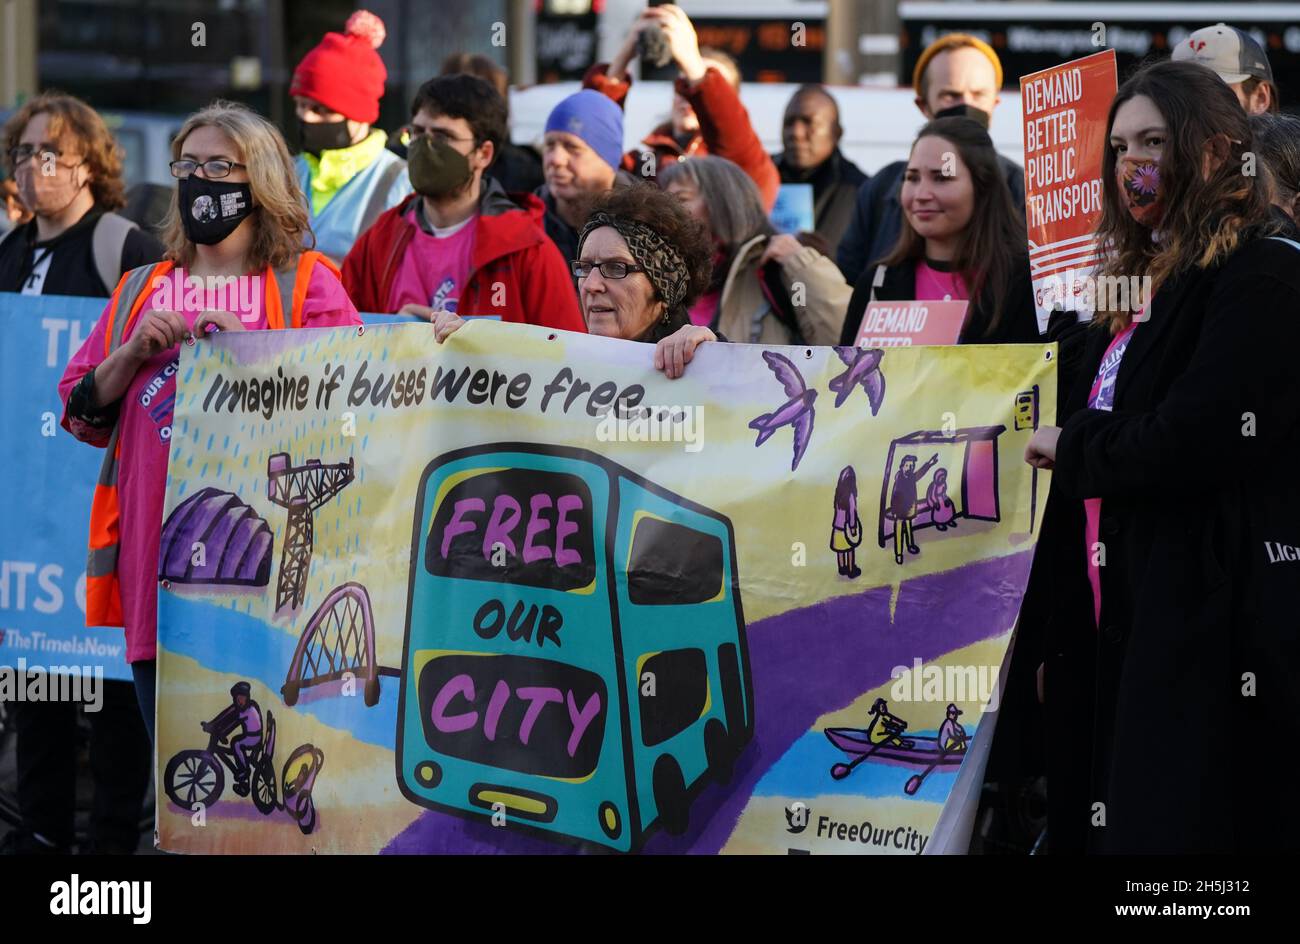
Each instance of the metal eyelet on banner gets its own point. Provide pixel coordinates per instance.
(550, 337)
(361, 329)
(807, 352)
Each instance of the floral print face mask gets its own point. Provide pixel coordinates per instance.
(1139, 185)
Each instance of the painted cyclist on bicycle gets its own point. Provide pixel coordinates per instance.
(243, 712)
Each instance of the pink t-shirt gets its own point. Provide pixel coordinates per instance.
(145, 421)
(434, 269)
(705, 307)
(933, 285)
(1102, 397)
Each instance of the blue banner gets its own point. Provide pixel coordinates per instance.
(48, 478)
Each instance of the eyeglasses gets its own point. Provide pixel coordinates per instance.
(610, 270)
(23, 153)
(436, 135)
(213, 169)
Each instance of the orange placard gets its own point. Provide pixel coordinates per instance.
(911, 323)
(1065, 136)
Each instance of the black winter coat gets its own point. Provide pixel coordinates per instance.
(1018, 324)
(1178, 714)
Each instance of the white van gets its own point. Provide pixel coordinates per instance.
(879, 123)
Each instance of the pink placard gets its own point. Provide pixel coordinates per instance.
(911, 323)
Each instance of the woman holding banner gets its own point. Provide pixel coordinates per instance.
(1173, 529)
(237, 224)
(962, 238)
(642, 261)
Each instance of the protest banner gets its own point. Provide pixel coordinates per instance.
(49, 477)
(471, 608)
(43, 542)
(1065, 111)
(906, 323)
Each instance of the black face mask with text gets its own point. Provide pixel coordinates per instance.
(324, 136)
(212, 209)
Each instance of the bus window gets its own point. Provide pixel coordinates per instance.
(517, 526)
(677, 698)
(672, 564)
(516, 713)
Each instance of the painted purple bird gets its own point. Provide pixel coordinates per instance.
(796, 412)
(864, 368)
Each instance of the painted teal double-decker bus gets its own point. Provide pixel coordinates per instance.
(575, 656)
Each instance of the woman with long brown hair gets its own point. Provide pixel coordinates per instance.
(1173, 528)
(234, 263)
(961, 238)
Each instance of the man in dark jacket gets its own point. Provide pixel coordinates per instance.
(811, 135)
(955, 70)
(459, 243)
(580, 160)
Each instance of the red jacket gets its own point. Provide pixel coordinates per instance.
(513, 263)
(725, 129)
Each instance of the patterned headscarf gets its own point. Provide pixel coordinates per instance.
(663, 263)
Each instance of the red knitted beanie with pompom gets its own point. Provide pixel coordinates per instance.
(344, 73)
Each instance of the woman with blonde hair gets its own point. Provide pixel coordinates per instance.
(234, 262)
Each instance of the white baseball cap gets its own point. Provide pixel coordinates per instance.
(1234, 55)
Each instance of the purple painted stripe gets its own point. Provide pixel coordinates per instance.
(238, 547)
(254, 564)
(214, 545)
(804, 663)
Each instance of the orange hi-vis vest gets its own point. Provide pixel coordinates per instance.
(103, 592)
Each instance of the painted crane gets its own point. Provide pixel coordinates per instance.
(301, 489)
